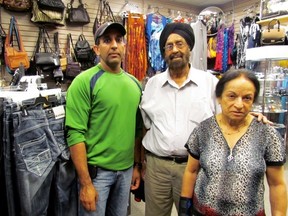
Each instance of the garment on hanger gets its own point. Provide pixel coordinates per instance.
(136, 55)
(155, 23)
(40, 178)
(198, 56)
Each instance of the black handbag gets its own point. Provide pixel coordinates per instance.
(77, 15)
(49, 59)
(56, 5)
(82, 48)
(73, 67)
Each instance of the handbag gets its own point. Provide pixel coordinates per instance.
(56, 5)
(48, 59)
(77, 15)
(17, 5)
(15, 57)
(104, 14)
(45, 16)
(273, 36)
(82, 48)
(73, 67)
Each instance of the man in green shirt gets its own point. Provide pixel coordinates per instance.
(101, 110)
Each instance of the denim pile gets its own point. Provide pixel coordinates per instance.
(39, 176)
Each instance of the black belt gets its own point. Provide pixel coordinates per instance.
(176, 159)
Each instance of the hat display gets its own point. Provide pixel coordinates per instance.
(183, 29)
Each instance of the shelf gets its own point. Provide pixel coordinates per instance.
(283, 18)
(273, 52)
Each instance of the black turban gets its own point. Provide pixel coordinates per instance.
(183, 29)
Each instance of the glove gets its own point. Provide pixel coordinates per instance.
(185, 206)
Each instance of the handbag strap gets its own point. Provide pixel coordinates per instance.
(273, 20)
(13, 30)
(56, 43)
(2, 31)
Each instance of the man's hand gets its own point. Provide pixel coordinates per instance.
(136, 178)
(261, 117)
(88, 197)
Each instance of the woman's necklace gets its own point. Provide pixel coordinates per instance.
(239, 129)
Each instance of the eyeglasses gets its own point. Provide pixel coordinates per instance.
(179, 45)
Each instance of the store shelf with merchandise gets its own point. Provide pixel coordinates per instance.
(282, 19)
(270, 64)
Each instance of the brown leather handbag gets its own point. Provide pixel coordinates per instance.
(15, 56)
(17, 5)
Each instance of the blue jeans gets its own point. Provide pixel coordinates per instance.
(46, 179)
(113, 189)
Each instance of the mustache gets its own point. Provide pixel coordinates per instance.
(177, 55)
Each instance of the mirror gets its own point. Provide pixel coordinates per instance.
(212, 17)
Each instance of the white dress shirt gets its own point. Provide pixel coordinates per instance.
(170, 112)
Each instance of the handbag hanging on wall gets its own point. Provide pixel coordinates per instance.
(49, 59)
(73, 67)
(17, 5)
(104, 14)
(47, 16)
(56, 5)
(273, 36)
(77, 16)
(15, 56)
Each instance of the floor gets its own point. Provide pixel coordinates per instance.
(138, 208)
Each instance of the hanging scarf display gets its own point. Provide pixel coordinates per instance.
(136, 55)
(154, 26)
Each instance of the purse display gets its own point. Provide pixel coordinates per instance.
(82, 48)
(104, 14)
(274, 36)
(15, 56)
(73, 68)
(48, 59)
(16, 5)
(56, 5)
(77, 15)
(44, 16)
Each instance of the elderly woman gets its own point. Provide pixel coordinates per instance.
(229, 155)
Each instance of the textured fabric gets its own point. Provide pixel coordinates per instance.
(172, 112)
(163, 181)
(154, 26)
(231, 182)
(198, 56)
(105, 118)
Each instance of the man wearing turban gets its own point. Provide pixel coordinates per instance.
(173, 104)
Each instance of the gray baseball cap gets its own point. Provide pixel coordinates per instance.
(104, 27)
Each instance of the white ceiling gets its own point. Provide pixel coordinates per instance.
(203, 3)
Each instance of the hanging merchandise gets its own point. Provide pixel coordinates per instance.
(45, 16)
(155, 22)
(2, 38)
(104, 14)
(15, 56)
(56, 5)
(73, 67)
(77, 15)
(45, 57)
(273, 36)
(16, 5)
(84, 54)
(136, 54)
